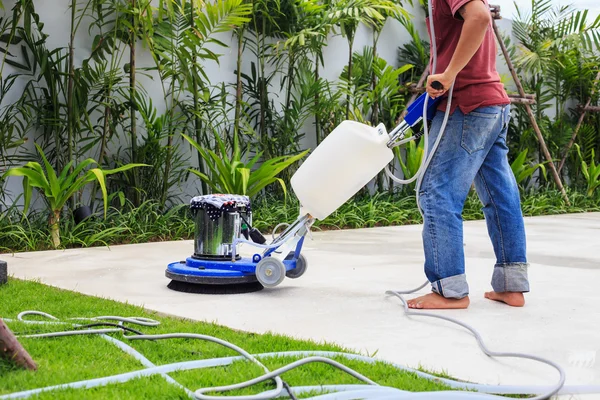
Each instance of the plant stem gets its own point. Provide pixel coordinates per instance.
(105, 131)
(350, 49)
(317, 108)
(263, 100)
(238, 91)
(132, 102)
(290, 82)
(54, 227)
(70, 86)
(375, 112)
(197, 119)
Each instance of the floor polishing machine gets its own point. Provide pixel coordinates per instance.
(340, 166)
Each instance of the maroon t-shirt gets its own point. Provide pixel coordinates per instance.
(478, 84)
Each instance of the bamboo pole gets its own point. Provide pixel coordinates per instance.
(586, 108)
(11, 349)
(536, 128)
(519, 100)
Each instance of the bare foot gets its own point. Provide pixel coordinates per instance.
(515, 299)
(435, 301)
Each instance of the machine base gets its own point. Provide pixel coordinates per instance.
(212, 277)
(227, 277)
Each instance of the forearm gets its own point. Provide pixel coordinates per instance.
(476, 16)
(472, 35)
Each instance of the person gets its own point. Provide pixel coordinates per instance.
(472, 150)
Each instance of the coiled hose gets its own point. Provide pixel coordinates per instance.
(368, 390)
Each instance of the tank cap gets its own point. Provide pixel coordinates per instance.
(216, 204)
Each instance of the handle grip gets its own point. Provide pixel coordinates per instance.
(437, 85)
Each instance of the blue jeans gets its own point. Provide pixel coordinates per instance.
(472, 150)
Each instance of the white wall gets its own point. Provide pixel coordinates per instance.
(56, 16)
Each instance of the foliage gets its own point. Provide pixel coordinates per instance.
(523, 169)
(247, 134)
(413, 154)
(415, 52)
(557, 59)
(385, 209)
(124, 224)
(591, 172)
(127, 224)
(57, 189)
(229, 174)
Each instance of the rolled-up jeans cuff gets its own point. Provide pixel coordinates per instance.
(511, 277)
(453, 287)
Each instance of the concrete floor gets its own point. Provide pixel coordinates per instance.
(341, 298)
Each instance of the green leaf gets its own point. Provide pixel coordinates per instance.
(245, 177)
(99, 174)
(27, 189)
(52, 179)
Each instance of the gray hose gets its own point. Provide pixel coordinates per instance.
(200, 392)
(554, 390)
(102, 332)
(376, 392)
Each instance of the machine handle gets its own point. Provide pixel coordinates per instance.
(437, 85)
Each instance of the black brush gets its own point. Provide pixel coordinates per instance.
(199, 288)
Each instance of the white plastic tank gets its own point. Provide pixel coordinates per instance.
(340, 166)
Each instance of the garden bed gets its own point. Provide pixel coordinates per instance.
(147, 223)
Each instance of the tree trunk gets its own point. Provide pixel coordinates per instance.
(54, 221)
(11, 349)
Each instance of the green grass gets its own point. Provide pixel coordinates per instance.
(70, 359)
(148, 224)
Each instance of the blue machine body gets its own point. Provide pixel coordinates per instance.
(415, 110)
(413, 117)
(213, 269)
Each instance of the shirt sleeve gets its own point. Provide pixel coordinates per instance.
(455, 5)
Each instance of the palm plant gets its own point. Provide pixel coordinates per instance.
(12, 121)
(229, 174)
(180, 39)
(590, 171)
(349, 14)
(58, 189)
(556, 54)
(524, 169)
(310, 39)
(415, 52)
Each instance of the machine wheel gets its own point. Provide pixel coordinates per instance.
(270, 272)
(300, 269)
